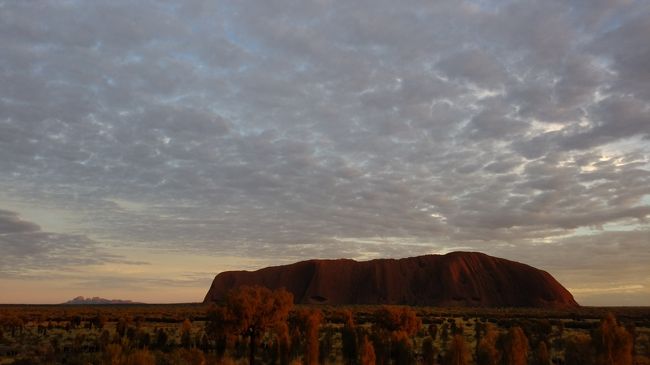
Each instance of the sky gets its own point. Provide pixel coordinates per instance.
(146, 146)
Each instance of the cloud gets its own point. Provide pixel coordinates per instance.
(255, 129)
(10, 223)
(474, 66)
(616, 289)
(27, 251)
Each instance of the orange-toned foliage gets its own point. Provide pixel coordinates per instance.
(252, 310)
(515, 350)
(367, 353)
(487, 353)
(310, 321)
(613, 343)
(394, 319)
(457, 352)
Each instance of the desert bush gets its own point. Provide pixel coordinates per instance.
(282, 343)
(216, 329)
(444, 334)
(432, 330)
(395, 319)
(392, 331)
(326, 348)
(161, 339)
(613, 343)
(579, 350)
(139, 357)
(186, 334)
(309, 324)
(429, 351)
(349, 339)
(402, 348)
(457, 352)
(542, 356)
(367, 352)
(515, 347)
(252, 310)
(487, 353)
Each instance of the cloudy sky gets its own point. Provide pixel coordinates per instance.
(146, 146)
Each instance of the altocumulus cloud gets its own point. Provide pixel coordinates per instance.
(333, 128)
(27, 251)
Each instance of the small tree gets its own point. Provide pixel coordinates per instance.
(326, 347)
(283, 343)
(160, 340)
(394, 327)
(120, 327)
(310, 323)
(613, 343)
(252, 310)
(432, 330)
(395, 319)
(487, 353)
(542, 356)
(216, 328)
(515, 350)
(186, 334)
(140, 357)
(367, 355)
(444, 334)
(349, 338)
(429, 351)
(458, 352)
(579, 350)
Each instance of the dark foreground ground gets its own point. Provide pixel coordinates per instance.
(201, 334)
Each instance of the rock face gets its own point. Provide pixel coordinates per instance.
(456, 279)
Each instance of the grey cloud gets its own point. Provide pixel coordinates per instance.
(10, 223)
(475, 66)
(245, 128)
(518, 28)
(27, 249)
(494, 122)
(615, 118)
(626, 48)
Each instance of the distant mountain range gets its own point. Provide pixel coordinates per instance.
(98, 300)
(467, 279)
